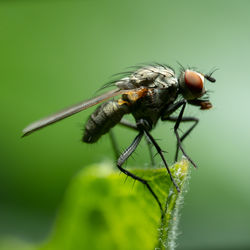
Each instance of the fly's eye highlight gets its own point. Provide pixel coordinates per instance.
(194, 81)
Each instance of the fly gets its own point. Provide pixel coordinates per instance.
(150, 93)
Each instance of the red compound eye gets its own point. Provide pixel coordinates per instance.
(194, 81)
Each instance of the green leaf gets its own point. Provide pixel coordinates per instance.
(100, 211)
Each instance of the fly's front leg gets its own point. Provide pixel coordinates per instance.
(165, 117)
(125, 155)
(176, 126)
(184, 119)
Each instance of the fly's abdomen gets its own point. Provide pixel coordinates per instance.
(103, 119)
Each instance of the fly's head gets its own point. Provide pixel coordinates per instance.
(191, 85)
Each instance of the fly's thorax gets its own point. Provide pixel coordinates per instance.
(150, 106)
(167, 80)
(149, 76)
(167, 95)
(134, 95)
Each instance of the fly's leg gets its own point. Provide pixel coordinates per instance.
(114, 144)
(176, 126)
(172, 108)
(125, 155)
(143, 125)
(113, 140)
(150, 150)
(184, 119)
(130, 125)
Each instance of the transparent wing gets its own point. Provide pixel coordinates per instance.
(71, 110)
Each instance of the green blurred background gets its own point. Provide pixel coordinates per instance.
(57, 53)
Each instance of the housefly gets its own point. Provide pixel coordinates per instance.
(150, 93)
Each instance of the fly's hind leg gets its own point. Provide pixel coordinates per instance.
(130, 125)
(114, 144)
(186, 133)
(125, 155)
(113, 140)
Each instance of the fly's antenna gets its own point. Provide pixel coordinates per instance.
(209, 75)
